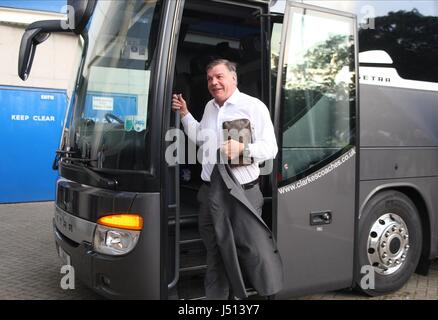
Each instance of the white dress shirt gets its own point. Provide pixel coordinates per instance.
(238, 106)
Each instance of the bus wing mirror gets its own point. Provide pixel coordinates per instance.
(35, 34)
(79, 13)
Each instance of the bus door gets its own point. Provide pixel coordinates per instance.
(207, 30)
(315, 171)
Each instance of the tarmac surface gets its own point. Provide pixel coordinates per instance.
(31, 270)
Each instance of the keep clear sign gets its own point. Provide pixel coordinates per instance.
(26, 117)
(39, 118)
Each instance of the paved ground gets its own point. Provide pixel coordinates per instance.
(30, 268)
(417, 288)
(29, 265)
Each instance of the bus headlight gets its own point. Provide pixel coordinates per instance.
(114, 241)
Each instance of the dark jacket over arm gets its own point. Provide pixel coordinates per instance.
(246, 244)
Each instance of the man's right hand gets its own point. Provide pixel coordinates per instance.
(179, 104)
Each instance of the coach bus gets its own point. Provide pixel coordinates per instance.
(353, 185)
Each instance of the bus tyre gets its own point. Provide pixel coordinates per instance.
(389, 244)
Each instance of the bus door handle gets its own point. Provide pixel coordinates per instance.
(320, 218)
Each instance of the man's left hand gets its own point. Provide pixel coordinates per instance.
(233, 149)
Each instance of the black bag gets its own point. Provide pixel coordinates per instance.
(239, 130)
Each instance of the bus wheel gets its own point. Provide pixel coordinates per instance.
(389, 245)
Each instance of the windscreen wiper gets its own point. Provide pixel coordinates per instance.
(59, 155)
(62, 152)
(83, 160)
(110, 183)
(101, 180)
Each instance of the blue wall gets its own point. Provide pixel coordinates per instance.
(31, 122)
(42, 5)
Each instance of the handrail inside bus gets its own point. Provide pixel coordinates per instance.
(177, 216)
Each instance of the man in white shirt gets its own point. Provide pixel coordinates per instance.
(228, 104)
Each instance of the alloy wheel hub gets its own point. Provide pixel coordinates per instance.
(388, 244)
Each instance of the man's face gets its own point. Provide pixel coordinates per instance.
(221, 83)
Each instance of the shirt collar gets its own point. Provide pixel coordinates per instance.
(231, 100)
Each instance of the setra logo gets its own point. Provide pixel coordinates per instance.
(63, 223)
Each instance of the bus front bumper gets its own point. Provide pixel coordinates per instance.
(114, 277)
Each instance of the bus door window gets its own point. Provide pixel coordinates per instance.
(318, 92)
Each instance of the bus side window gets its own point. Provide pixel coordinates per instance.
(408, 36)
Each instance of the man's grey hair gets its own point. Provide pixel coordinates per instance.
(231, 66)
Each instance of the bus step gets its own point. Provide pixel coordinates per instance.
(190, 241)
(185, 221)
(184, 216)
(195, 268)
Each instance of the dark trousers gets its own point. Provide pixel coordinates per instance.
(216, 282)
